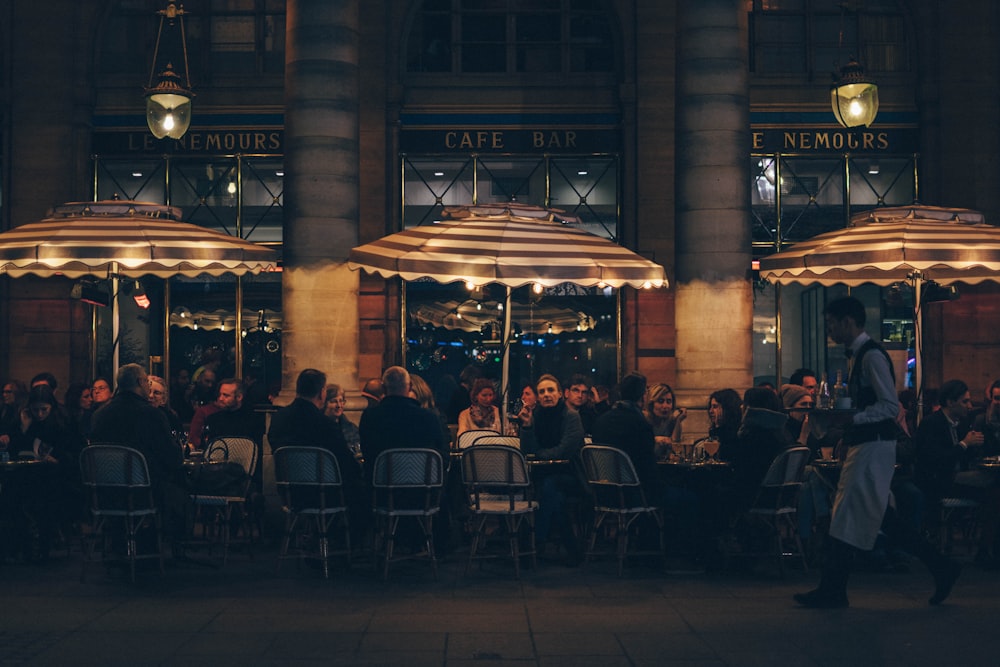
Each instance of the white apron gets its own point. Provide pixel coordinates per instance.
(863, 493)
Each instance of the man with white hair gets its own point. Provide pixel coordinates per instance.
(399, 421)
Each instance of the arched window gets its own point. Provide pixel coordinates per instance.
(511, 37)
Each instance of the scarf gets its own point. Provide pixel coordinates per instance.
(482, 417)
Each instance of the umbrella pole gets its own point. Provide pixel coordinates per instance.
(918, 313)
(115, 325)
(505, 361)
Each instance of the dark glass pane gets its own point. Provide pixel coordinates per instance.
(781, 60)
(484, 5)
(436, 5)
(534, 5)
(540, 58)
(484, 28)
(538, 28)
(429, 48)
(484, 58)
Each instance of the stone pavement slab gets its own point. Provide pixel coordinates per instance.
(245, 614)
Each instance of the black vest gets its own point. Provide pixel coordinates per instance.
(862, 397)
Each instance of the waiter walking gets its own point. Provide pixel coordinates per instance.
(861, 506)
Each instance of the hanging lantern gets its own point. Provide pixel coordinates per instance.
(854, 96)
(168, 103)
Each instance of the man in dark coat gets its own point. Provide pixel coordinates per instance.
(625, 428)
(399, 421)
(129, 419)
(302, 423)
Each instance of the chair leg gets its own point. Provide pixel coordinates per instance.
(513, 525)
(623, 528)
(531, 541)
(286, 540)
(393, 522)
(324, 545)
(427, 523)
(474, 548)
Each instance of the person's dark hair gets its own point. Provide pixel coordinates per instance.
(478, 385)
(73, 394)
(760, 397)
(801, 374)
(236, 381)
(469, 374)
(42, 394)
(310, 383)
(632, 387)
(846, 306)
(989, 391)
(374, 388)
(46, 377)
(580, 378)
(730, 402)
(952, 390)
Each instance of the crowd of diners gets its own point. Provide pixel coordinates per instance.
(553, 419)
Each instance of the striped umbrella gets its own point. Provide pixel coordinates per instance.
(125, 239)
(509, 244)
(889, 245)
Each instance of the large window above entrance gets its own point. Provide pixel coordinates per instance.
(511, 37)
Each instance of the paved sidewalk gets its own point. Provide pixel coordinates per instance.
(246, 615)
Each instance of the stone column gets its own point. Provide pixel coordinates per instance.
(321, 200)
(714, 303)
(321, 210)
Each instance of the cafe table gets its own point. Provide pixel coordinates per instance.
(28, 491)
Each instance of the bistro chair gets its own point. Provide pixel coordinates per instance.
(312, 499)
(618, 494)
(498, 486)
(776, 506)
(468, 437)
(961, 515)
(121, 505)
(494, 439)
(407, 484)
(218, 509)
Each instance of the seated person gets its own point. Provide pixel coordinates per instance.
(302, 423)
(482, 412)
(553, 431)
(666, 419)
(944, 449)
(724, 414)
(625, 427)
(988, 421)
(336, 400)
(579, 396)
(761, 437)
